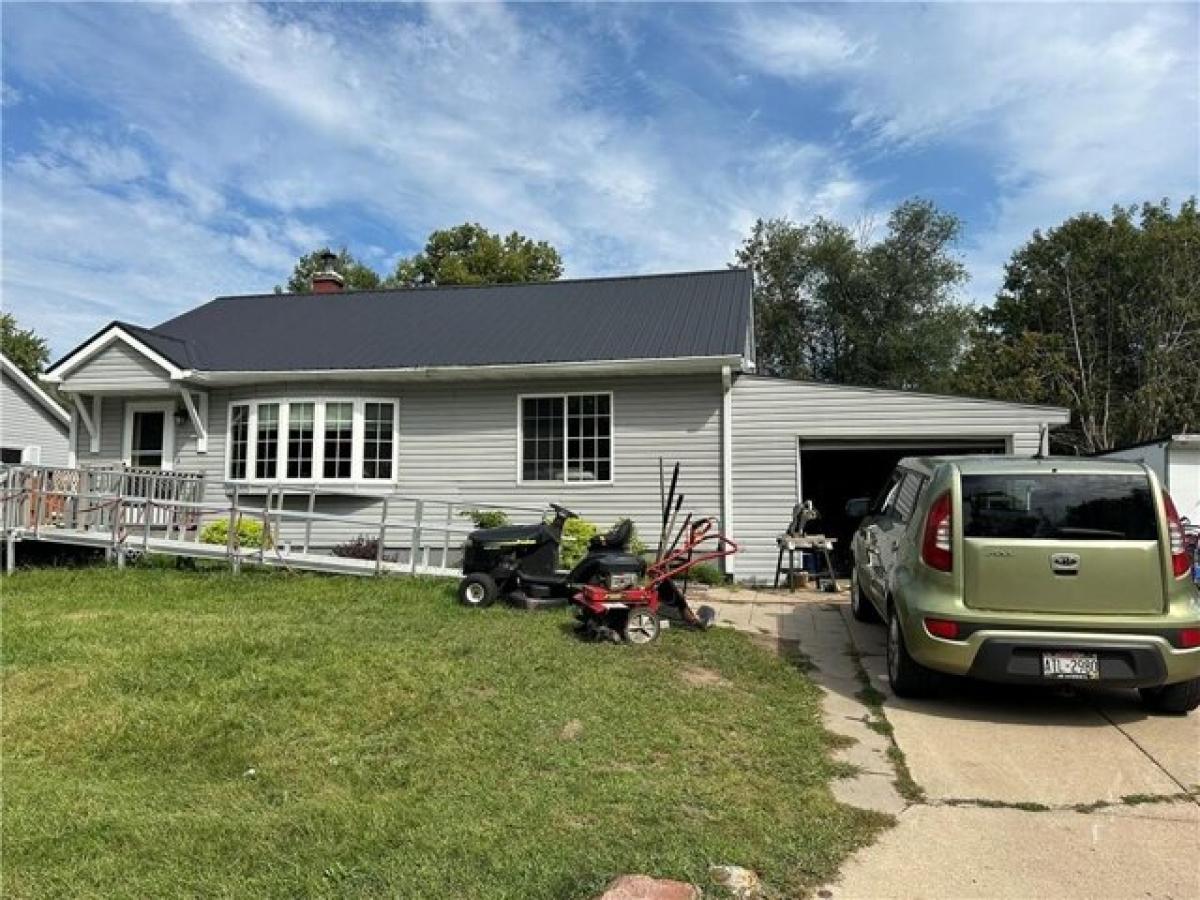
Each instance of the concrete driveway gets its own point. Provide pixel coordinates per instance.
(997, 791)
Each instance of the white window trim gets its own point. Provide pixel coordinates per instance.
(167, 408)
(612, 439)
(357, 438)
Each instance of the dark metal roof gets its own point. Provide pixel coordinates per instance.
(693, 314)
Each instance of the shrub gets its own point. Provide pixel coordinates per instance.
(576, 534)
(486, 518)
(706, 573)
(362, 547)
(249, 533)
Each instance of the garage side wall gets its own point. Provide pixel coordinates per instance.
(772, 415)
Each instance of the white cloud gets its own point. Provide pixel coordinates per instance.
(794, 44)
(1071, 106)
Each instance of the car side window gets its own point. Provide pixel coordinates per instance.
(907, 495)
(887, 497)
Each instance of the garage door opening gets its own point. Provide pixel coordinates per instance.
(832, 472)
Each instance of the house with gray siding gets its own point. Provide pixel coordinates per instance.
(33, 425)
(568, 391)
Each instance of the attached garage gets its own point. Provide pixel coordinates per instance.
(793, 441)
(834, 471)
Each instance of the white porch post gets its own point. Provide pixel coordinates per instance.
(199, 418)
(91, 421)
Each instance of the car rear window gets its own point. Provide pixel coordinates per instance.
(1065, 506)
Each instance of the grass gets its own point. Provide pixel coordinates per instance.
(195, 733)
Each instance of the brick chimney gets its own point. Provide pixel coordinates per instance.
(328, 280)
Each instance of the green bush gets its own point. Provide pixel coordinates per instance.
(249, 533)
(706, 573)
(576, 534)
(486, 518)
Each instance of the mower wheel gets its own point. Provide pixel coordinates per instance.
(641, 626)
(477, 590)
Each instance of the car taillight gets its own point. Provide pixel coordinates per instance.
(1179, 559)
(936, 547)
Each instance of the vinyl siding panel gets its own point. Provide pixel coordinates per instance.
(25, 422)
(117, 364)
(459, 441)
(771, 416)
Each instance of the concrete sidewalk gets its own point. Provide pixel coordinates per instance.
(1013, 792)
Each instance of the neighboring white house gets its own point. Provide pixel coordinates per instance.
(1176, 461)
(33, 427)
(566, 391)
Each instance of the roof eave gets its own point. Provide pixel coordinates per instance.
(496, 372)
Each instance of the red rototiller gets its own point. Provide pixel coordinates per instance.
(636, 614)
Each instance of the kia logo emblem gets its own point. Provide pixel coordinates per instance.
(1064, 561)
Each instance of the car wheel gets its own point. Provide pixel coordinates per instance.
(860, 607)
(907, 677)
(1177, 699)
(641, 626)
(477, 590)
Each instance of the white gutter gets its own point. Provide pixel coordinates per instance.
(681, 364)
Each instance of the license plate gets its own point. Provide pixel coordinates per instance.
(1074, 666)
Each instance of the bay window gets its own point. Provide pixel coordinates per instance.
(566, 437)
(307, 440)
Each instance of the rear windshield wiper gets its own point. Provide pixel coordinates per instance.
(1088, 532)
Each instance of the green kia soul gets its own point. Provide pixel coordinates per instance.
(1029, 571)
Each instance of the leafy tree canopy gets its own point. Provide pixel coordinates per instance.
(832, 306)
(27, 351)
(358, 276)
(1101, 315)
(470, 254)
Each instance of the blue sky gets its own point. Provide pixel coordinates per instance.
(157, 155)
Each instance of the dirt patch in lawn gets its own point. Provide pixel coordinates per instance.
(698, 676)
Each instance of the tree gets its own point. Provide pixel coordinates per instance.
(27, 351)
(1102, 315)
(470, 254)
(358, 276)
(832, 306)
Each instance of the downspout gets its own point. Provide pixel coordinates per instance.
(727, 462)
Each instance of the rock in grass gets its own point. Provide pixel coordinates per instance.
(643, 887)
(742, 883)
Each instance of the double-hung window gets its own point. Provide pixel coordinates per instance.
(566, 437)
(312, 440)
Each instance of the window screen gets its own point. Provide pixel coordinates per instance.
(266, 449)
(239, 440)
(542, 438)
(377, 440)
(339, 439)
(1062, 506)
(588, 440)
(300, 440)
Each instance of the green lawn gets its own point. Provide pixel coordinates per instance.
(169, 733)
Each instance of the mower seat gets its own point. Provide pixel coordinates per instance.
(616, 538)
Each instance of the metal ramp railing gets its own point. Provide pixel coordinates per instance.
(124, 512)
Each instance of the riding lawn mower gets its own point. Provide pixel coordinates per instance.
(618, 595)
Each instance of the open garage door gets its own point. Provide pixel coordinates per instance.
(832, 472)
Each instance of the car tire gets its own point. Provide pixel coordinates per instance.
(860, 607)
(1176, 699)
(477, 591)
(907, 677)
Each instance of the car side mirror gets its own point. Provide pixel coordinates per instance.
(858, 508)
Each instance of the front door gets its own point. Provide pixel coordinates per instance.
(148, 445)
